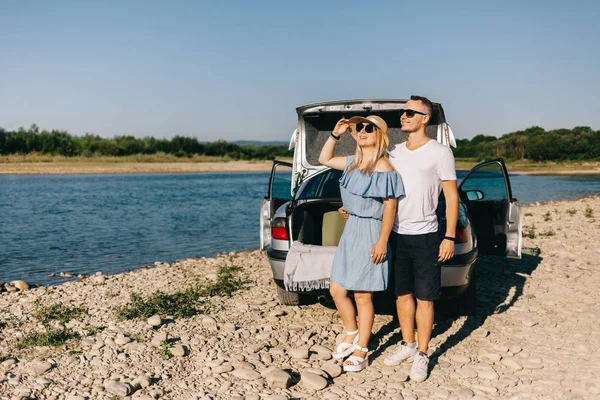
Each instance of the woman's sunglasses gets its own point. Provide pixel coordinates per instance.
(369, 128)
(410, 113)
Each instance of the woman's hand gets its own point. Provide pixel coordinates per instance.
(343, 213)
(379, 252)
(341, 127)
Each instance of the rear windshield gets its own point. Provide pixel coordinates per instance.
(326, 185)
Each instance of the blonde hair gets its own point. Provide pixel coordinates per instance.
(381, 151)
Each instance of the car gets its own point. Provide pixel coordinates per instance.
(303, 198)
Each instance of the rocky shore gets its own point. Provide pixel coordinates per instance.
(533, 335)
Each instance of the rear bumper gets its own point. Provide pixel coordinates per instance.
(456, 272)
(277, 261)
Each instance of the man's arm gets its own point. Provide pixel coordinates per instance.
(451, 195)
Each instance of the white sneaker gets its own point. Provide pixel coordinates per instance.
(419, 369)
(403, 352)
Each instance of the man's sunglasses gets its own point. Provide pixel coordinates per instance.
(410, 113)
(369, 128)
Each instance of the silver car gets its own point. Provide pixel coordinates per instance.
(304, 196)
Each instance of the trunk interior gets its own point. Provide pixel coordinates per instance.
(318, 223)
(318, 126)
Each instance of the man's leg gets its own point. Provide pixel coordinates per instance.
(427, 290)
(405, 303)
(425, 315)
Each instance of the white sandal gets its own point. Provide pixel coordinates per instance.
(344, 349)
(358, 363)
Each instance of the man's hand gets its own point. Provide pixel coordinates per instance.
(446, 250)
(379, 252)
(342, 211)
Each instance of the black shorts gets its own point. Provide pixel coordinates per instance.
(415, 265)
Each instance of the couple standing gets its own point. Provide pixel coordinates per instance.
(391, 198)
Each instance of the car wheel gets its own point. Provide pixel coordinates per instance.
(466, 303)
(288, 298)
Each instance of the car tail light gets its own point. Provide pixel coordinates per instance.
(279, 229)
(461, 236)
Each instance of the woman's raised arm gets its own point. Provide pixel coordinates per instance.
(326, 157)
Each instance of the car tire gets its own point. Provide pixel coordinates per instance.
(288, 298)
(466, 302)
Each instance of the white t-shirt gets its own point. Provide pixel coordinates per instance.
(422, 171)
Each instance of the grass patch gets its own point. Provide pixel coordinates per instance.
(529, 232)
(4, 357)
(134, 336)
(549, 232)
(92, 329)
(164, 350)
(56, 312)
(2, 325)
(75, 352)
(227, 283)
(529, 214)
(571, 211)
(183, 304)
(589, 213)
(548, 216)
(52, 337)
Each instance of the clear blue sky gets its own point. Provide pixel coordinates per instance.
(237, 69)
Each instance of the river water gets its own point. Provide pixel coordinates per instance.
(114, 223)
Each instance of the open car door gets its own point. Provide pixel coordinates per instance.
(495, 214)
(279, 192)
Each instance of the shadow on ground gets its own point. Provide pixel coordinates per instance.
(500, 283)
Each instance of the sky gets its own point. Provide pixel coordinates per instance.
(237, 70)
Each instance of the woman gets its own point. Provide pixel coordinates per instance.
(370, 188)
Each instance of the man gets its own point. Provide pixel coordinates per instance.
(426, 167)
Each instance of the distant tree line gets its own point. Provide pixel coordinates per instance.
(55, 142)
(578, 144)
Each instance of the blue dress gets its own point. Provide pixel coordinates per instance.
(362, 195)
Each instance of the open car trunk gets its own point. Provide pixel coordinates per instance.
(318, 222)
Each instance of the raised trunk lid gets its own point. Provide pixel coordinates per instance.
(316, 121)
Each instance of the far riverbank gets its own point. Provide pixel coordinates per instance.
(133, 165)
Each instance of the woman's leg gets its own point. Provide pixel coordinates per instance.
(366, 315)
(345, 307)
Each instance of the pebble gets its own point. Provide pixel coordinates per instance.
(222, 368)
(488, 374)
(333, 370)
(118, 388)
(246, 374)
(278, 378)
(155, 321)
(21, 285)
(178, 350)
(313, 381)
(460, 359)
(122, 340)
(300, 353)
(465, 393)
(39, 368)
(512, 364)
